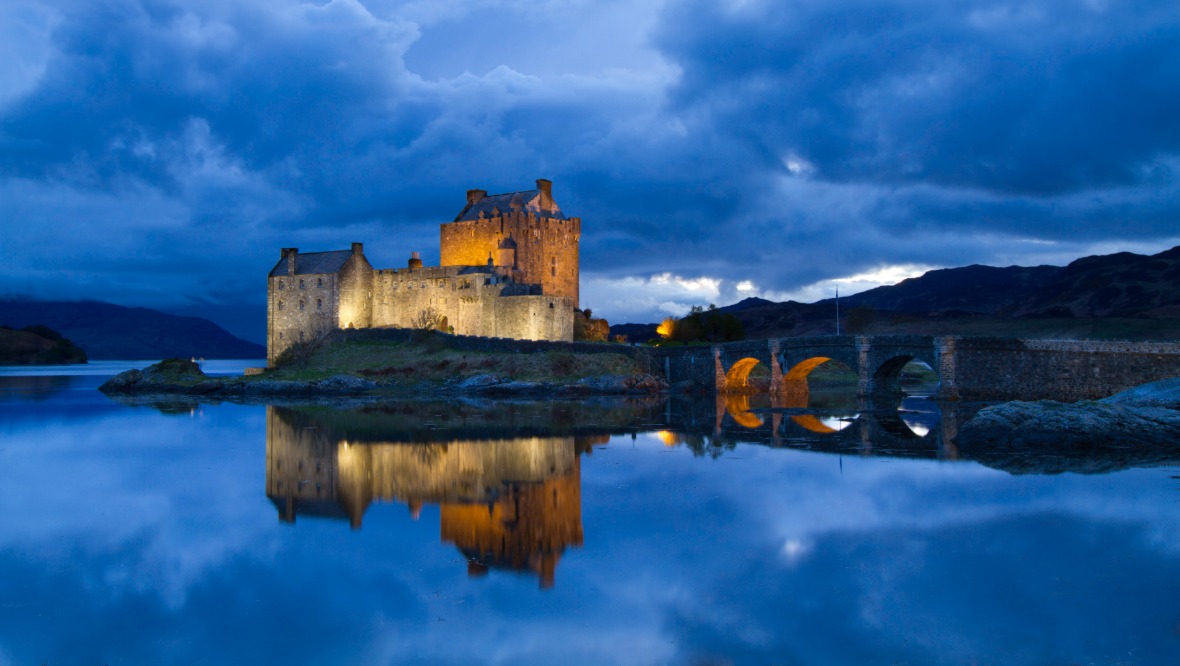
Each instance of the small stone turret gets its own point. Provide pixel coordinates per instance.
(415, 261)
(475, 196)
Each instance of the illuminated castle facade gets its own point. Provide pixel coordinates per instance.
(508, 268)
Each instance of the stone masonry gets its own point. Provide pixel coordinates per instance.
(969, 368)
(509, 269)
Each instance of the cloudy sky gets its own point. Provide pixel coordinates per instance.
(159, 153)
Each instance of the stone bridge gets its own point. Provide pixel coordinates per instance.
(969, 368)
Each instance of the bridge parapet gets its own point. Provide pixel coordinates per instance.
(969, 368)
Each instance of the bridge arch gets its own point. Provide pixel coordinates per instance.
(800, 370)
(888, 375)
(737, 378)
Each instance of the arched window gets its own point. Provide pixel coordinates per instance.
(319, 282)
(301, 284)
(301, 305)
(319, 304)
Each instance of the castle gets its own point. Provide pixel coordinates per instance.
(508, 268)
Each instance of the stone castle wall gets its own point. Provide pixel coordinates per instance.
(541, 250)
(476, 301)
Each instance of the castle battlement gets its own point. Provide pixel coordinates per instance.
(508, 268)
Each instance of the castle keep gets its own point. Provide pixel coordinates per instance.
(508, 269)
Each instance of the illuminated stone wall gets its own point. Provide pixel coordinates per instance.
(543, 250)
(302, 307)
(478, 301)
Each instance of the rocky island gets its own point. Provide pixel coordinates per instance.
(399, 362)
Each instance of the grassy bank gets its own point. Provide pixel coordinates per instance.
(432, 359)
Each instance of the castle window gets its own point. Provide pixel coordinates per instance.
(319, 304)
(301, 284)
(280, 305)
(300, 305)
(280, 335)
(301, 336)
(280, 284)
(319, 282)
(553, 267)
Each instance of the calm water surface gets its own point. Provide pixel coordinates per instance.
(605, 531)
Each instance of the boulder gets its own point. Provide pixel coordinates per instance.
(1135, 427)
(622, 384)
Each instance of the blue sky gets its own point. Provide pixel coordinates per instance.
(160, 153)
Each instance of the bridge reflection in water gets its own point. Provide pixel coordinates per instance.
(507, 476)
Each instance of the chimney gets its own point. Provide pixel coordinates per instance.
(358, 248)
(474, 196)
(289, 253)
(546, 187)
(415, 260)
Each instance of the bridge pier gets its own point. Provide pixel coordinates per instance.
(968, 368)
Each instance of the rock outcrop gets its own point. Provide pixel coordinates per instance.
(1137, 426)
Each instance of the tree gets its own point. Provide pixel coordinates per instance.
(703, 325)
(588, 329)
(430, 320)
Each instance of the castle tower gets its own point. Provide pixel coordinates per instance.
(524, 231)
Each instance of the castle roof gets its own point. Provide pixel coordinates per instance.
(310, 263)
(496, 204)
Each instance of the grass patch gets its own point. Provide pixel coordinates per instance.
(431, 360)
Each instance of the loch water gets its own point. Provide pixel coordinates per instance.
(601, 531)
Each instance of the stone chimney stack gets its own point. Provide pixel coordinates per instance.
(546, 187)
(415, 260)
(358, 248)
(474, 196)
(289, 253)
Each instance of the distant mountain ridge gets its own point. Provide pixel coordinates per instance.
(108, 331)
(1114, 285)
(1140, 291)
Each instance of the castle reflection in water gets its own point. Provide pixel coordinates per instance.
(511, 503)
(507, 476)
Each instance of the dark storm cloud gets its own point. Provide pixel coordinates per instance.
(1032, 98)
(778, 143)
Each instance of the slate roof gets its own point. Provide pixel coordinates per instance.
(529, 200)
(313, 262)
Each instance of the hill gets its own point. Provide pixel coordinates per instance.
(1115, 285)
(37, 345)
(108, 331)
(1117, 296)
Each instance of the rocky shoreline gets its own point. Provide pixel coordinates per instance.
(175, 377)
(1140, 426)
